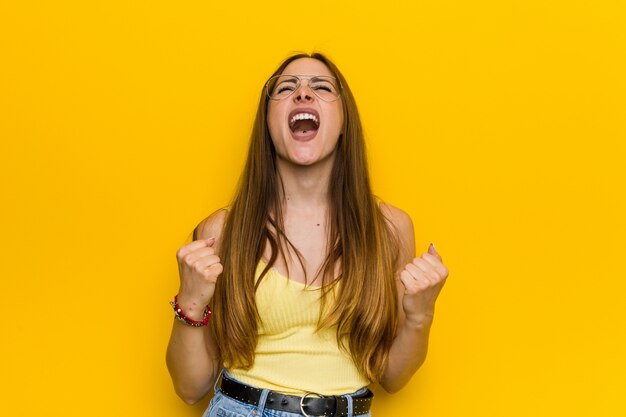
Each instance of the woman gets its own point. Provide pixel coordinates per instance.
(313, 288)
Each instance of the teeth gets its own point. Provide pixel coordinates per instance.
(303, 116)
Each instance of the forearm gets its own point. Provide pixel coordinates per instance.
(406, 355)
(192, 365)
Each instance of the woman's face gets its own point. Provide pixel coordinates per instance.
(305, 142)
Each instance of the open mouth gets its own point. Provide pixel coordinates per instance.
(304, 123)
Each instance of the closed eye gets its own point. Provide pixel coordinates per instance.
(323, 87)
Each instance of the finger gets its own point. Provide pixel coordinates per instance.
(433, 251)
(427, 269)
(202, 252)
(408, 282)
(216, 269)
(431, 259)
(415, 283)
(205, 262)
(421, 264)
(210, 241)
(194, 256)
(195, 245)
(415, 272)
(436, 263)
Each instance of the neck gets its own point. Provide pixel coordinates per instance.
(305, 187)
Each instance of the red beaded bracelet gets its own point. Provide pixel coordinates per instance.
(182, 317)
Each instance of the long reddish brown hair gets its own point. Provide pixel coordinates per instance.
(360, 242)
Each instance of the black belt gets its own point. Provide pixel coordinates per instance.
(309, 405)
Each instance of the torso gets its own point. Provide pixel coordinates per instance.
(307, 231)
(293, 356)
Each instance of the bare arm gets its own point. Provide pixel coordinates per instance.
(192, 357)
(419, 282)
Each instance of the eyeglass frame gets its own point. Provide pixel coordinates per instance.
(300, 78)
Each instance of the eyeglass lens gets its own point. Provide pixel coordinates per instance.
(282, 86)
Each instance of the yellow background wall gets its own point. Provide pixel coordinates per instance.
(498, 125)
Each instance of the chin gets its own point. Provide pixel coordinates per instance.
(309, 159)
(303, 161)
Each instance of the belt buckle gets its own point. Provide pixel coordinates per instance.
(302, 402)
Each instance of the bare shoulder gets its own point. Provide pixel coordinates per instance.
(211, 226)
(400, 222)
(401, 225)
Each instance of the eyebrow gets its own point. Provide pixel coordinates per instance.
(287, 80)
(308, 76)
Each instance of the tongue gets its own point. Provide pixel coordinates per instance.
(303, 126)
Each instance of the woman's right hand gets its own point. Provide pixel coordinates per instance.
(198, 267)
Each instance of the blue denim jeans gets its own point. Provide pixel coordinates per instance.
(224, 406)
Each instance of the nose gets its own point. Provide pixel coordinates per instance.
(303, 94)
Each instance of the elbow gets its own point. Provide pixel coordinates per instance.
(391, 385)
(189, 387)
(390, 388)
(190, 398)
(192, 393)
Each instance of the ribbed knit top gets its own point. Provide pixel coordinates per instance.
(291, 357)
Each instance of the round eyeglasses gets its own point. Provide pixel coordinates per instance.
(282, 86)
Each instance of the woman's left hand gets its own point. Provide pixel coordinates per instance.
(422, 279)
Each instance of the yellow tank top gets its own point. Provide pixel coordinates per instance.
(290, 356)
